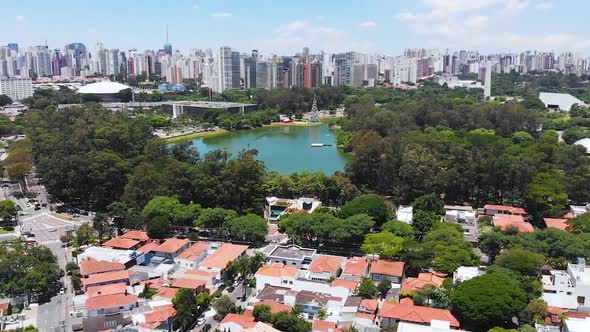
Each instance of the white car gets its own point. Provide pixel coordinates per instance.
(201, 321)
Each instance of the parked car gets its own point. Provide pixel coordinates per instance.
(206, 328)
(201, 320)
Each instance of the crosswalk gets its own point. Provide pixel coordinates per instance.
(49, 242)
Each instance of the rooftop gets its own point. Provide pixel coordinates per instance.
(171, 246)
(221, 257)
(304, 297)
(503, 221)
(108, 254)
(387, 267)
(195, 251)
(277, 270)
(92, 266)
(505, 208)
(100, 278)
(112, 289)
(103, 302)
(326, 263)
(158, 316)
(121, 243)
(148, 247)
(556, 223)
(208, 104)
(424, 279)
(136, 235)
(323, 325)
(292, 252)
(585, 142)
(416, 314)
(370, 304)
(348, 284)
(104, 87)
(167, 292)
(242, 320)
(274, 293)
(187, 283)
(563, 100)
(275, 307)
(356, 266)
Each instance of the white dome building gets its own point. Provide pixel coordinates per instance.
(105, 91)
(585, 142)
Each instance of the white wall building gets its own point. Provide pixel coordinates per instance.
(17, 88)
(568, 289)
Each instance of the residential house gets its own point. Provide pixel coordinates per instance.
(275, 306)
(261, 327)
(91, 266)
(355, 268)
(493, 210)
(411, 284)
(383, 269)
(405, 311)
(165, 294)
(324, 326)
(110, 304)
(126, 257)
(277, 207)
(464, 273)
(106, 278)
(349, 285)
(350, 308)
(568, 289)
(292, 255)
(160, 318)
(193, 255)
(274, 293)
(434, 326)
(275, 274)
(459, 214)
(141, 236)
(236, 323)
(186, 283)
(577, 325)
(172, 248)
(325, 267)
(4, 307)
(312, 302)
(105, 290)
(404, 213)
(559, 223)
(207, 277)
(369, 306)
(218, 260)
(122, 243)
(505, 221)
(147, 252)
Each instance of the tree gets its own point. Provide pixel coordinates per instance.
(8, 212)
(85, 235)
(429, 202)
(262, 313)
(249, 228)
(223, 305)
(290, 322)
(384, 244)
(535, 311)
(547, 195)
(487, 301)
(5, 100)
(172, 209)
(399, 228)
(215, 218)
(371, 205)
(158, 227)
(322, 314)
(367, 289)
(422, 222)
(384, 286)
(18, 171)
(491, 243)
(580, 224)
(524, 261)
(186, 307)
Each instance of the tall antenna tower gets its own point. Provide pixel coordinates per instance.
(314, 117)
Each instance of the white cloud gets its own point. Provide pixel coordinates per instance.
(221, 15)
(368, 24)
(514, 7)
(544, 6)
(476, 22)
(20, 18)
(293, 36)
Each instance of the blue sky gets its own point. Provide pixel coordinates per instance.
(283, 27)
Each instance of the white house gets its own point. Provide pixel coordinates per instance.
(404, 213)
(275, 274)
(292, 255)
(568, 289)
(464, 273)
(192, 256)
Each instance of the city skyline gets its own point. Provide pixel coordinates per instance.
(381, 27)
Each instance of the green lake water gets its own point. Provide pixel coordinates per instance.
(284, 149)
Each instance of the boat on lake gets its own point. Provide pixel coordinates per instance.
(319, 145)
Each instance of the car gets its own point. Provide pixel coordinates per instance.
(206, 328)
(201, 320)
(53, 229)
(62, 291)
(237, 283)
(231, 289)
(79, 292)
(23, 213)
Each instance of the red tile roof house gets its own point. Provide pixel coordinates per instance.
(172, 247)
(104, 290)
(140, 236)
(492, 210)
(186, 283)
(236, 323)
(275, 274)
(556, 223)
(383, 269)
(193, 255)
(355, 268)
(324, 267)
(91, 266)
(504, 221)
(160, 318)
(122, 243)
(106, 278)
(369, 306)
(392, 313)
(424, 279)
(218, 260)
(110, 304)
(324, 326)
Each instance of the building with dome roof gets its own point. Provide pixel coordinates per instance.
(105, 91)
(585, 142)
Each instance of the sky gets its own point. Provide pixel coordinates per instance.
(285, 27)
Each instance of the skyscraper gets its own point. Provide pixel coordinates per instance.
(223, 69)
(235, 70)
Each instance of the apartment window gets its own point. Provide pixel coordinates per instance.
(581, 300)
(569, 293)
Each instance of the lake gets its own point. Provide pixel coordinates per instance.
(284, 148)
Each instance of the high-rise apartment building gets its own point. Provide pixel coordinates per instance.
(17, 88)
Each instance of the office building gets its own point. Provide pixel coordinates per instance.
(17, 88)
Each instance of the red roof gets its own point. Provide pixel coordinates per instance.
(244, 321)
(357, 266)
(387, 267)
(91, 266)
(160, 314)
(148, 247)
(121, 243)
(195, 251)
(365, 315)
(323, 325)
(277, 270)
(505, 208)
(187, 283)
(348, 284)
(136, 235)
(107, 277)
(424, 279)
(503, 221)
(326, 263)
(276, 307)
(369, 304)
(171, 246)
(569, 215)
(111, 301)
(167, 292)
(556, 223)
(112, 289)
(221, 257)
(416, 314)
